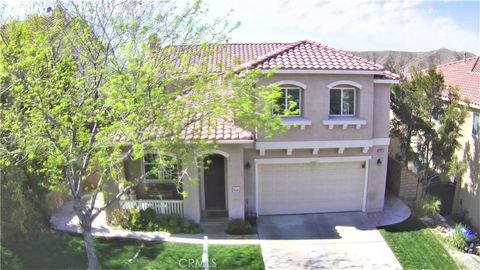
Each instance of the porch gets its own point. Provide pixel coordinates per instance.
(214, 189)
(164, 207)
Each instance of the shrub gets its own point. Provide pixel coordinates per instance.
(458, 239)
(133, 223)
(120, 218)
(176, 224)
(428, 205)
(24, 213)
(8, 259)
(149, 220)
(431, 205)
(239, 227)
(146, 219)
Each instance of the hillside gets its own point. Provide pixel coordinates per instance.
(405, 61)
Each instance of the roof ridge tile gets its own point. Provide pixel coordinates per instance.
(346, 54)
(271, 54)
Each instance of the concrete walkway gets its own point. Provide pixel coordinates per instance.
(323, 241)
(65, 219)
(394, 211)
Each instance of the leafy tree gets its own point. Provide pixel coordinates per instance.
(23, 207)
(93, 84)
(429, 112)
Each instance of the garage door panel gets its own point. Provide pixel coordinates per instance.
(310, 188)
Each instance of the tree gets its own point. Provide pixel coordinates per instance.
(93, 84)
(391, 65)
(428, 111)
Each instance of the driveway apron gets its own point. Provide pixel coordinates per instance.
(323, 241)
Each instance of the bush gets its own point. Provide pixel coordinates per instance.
(458, 239)
(120, 218)
(239, 227)
(8, 259)
(23, 208)
(176, 224)
(145, 220)
(428, 205)
(149, 220)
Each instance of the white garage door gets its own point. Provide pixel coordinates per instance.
(310, 188)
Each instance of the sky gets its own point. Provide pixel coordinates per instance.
(357, 25)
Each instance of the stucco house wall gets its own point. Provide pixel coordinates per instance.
(468, 188)
(373, 105)
(316, 107)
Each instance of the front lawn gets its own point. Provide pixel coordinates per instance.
(416, 246)
(57, 250)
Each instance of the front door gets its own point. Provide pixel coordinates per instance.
(214, 181)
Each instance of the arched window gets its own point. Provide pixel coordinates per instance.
(343, 98)
(290, 101)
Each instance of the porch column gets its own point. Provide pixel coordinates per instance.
(235, 181)
(191, 204)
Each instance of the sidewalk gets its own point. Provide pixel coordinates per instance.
(65, 219)
(394, 211)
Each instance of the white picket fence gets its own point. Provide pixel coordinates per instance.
(160, 206)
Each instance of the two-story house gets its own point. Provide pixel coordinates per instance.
(333, 157)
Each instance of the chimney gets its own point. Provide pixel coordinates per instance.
(465, 57)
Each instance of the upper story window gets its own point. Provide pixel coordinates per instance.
(289, 103)
(476, 124)
(343, 101)
(166, 170)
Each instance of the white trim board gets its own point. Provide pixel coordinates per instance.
(344, 121)
(291, 82)
(365, 187)
(322, 144)
(260, 161)
(344, 82)
(386, 81)
(310, 160)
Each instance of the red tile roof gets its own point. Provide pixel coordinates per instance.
(220, 130)
(465, 74)
(301, 55)
(311, 55)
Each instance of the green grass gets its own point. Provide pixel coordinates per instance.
(66, 251)
(416, 246)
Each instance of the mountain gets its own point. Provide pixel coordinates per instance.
(405, 61)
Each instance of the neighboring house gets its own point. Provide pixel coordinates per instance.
(465, 75)
(333, 158)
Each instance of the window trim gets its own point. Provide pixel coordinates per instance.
(341, 89)
(300, 107)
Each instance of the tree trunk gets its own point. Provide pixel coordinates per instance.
(86, 224)
(93, 263)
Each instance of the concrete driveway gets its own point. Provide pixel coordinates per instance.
(323, 241)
